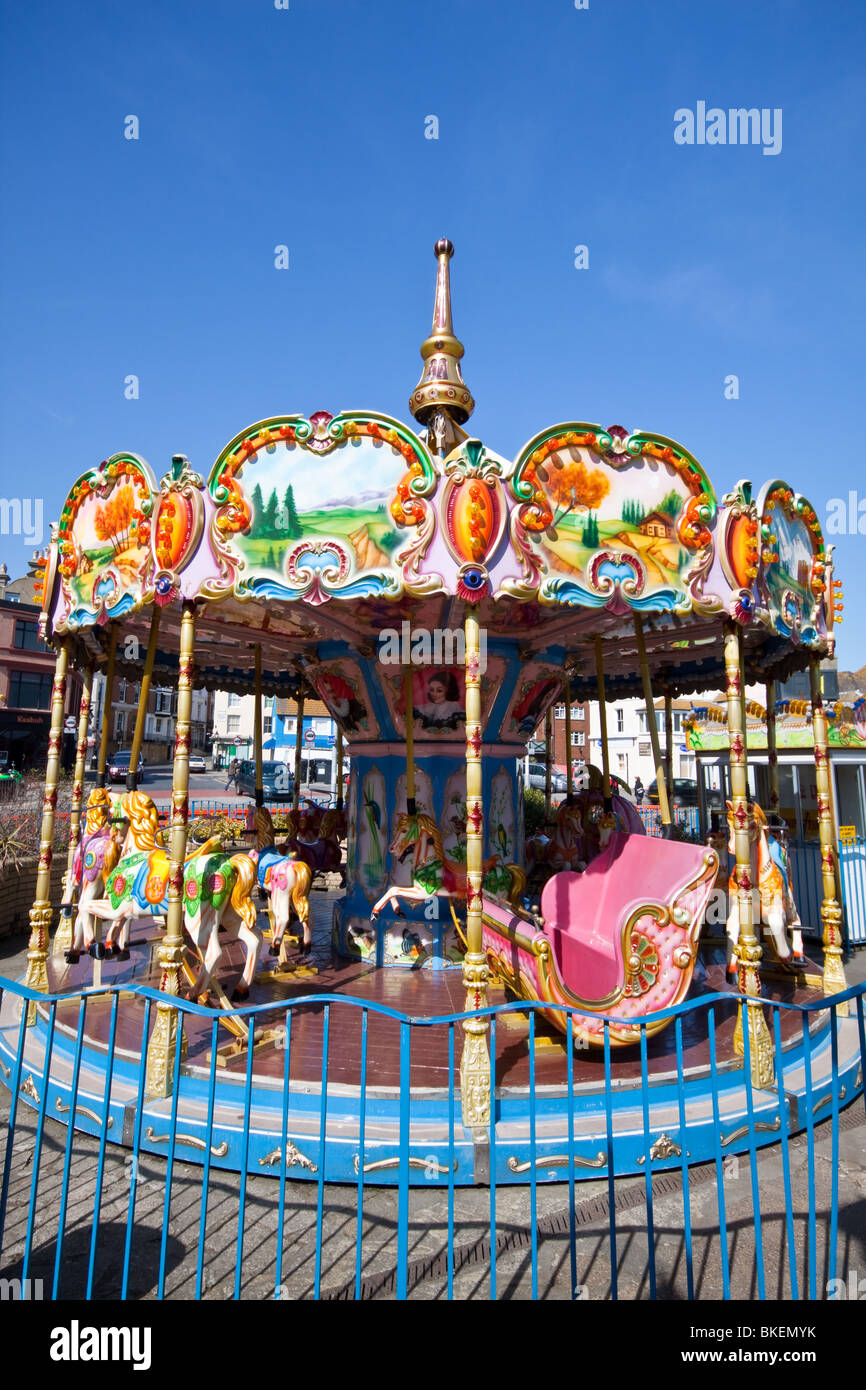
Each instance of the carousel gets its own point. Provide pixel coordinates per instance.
(440, 599)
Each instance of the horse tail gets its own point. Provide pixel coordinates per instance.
(301, 889)
(245, 881)
(518, 883)
(112, 858)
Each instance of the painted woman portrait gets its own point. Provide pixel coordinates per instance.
(339, 696)
(528, 712)
(441, 706)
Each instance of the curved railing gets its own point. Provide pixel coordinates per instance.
(70, 1194)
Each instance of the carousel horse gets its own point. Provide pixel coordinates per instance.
(566, 847)
(217, 891)
(774, 899)
(435, 876)
(313, 839)
(286, 880)
(95, 856)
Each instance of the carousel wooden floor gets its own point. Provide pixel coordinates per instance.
(420, 994)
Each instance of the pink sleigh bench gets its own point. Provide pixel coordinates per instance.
(619, 940)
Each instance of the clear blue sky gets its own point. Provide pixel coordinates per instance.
(306, 127)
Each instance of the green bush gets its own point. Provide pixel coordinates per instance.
(533, 811)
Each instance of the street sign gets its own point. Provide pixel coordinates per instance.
(69, 726)
(309, 736)
(847, 833)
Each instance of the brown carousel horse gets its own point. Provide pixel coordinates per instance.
(314, 838)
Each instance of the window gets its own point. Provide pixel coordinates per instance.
(233, 724)
(576, 712)
(290, 725)
(560, 711)
(26, 637)
(234, 700)
(642, 722)
(578, 738)
(678, 720)
(267, 724)
(29, 690)
(121, 692)
(163, 701)
(620, 721)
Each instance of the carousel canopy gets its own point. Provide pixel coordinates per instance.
(341, 535)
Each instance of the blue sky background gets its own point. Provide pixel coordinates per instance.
(306, 127)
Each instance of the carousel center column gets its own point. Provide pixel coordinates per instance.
(36, 976)
(475, 1061)
(831, 912)
(163, 1039)
(748, 946)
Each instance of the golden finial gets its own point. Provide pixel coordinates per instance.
(442, 386)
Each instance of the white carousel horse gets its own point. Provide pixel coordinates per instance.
(776, 908)
(216, 889)
(285, 878)
(95, 856)
(432, 874)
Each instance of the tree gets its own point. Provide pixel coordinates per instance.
(292, 521)
(574, 487)
(671, 504)
(258, 507)
(269, 519)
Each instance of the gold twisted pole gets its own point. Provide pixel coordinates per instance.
(63, 935)
(163, 1039)
(831, 912)
(36, 976)
(475, 1061)
(748, 946)
(339, 768)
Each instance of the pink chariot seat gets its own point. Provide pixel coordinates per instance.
(584, 914)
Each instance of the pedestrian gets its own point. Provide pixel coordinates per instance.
(234, 772)
(638, 791)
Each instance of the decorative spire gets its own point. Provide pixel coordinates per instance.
(442, 386)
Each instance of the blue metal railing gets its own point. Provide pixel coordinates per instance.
(313, 1239)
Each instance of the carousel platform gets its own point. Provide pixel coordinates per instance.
(384, 1092)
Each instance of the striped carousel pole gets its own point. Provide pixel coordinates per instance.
(772, 755)
(163, 1039)
(748, 946)
(36, 976)
(652, 723)
(107, 705)
(475, 1062)
(569, 775)
(409, 716)
(63, 935)
(143, 696)
(669, 745)
(257, 726)
(299, 741)
(548, 755)
(339, 768)
(831, 913)
(602, 721)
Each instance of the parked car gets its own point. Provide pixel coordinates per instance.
(118, 767)
(197, 763)
(278, 782)
(536, 778)
(685, 793)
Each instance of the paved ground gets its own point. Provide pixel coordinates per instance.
(755, 1219)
